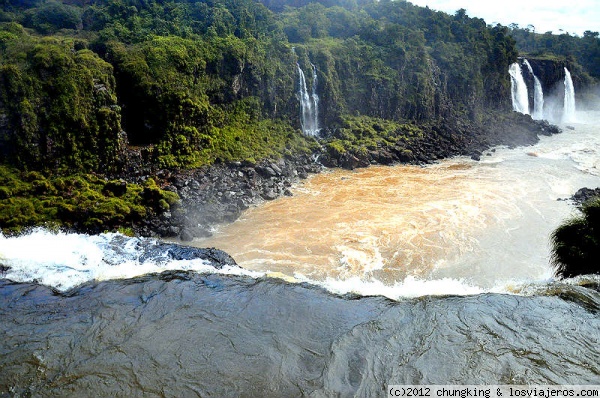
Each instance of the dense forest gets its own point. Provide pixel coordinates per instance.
(86, 86)
(196, 82)
(585, 49)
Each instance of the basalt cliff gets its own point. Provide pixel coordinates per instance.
(168, 117)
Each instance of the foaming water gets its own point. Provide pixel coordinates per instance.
(456, 227)
(65, 261)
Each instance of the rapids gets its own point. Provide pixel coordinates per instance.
(459, 248)
(457, 227)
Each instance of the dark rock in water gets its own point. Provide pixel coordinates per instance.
(269, 195)
(476, 156)
(585, 194)
(571, 127)
(545, 128)
(186, 235)
(218, 257)
(172, 251)
(3, 269)
(189, 233)
(382, 157)
(351, 161)
(171, 231)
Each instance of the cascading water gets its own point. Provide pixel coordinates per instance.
(569, 105)
(520, 99)
(74, 324)
(455, 229)
(309, 103)
(538, 95)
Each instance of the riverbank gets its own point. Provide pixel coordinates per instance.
(220, 193)
(142, 200)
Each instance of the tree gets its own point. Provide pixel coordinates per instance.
(52, 16)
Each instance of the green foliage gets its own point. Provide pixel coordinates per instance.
(83, 201)
(205, 81)
(197, 82)
(185, 98)
(52, 16)
(585, 50)
(360, 133)
(59, 104)
(576, 243)
(403, 62)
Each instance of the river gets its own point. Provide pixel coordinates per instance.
(386, 275)
(457, 227)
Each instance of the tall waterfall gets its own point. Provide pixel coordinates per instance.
(520, 100)
(569, 106)
(538, 95)
(309, 103)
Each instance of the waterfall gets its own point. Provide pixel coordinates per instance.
(520, 99)
(538, 95)
(569, 106)
(309, 103)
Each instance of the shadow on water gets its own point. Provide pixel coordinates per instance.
(187, 334)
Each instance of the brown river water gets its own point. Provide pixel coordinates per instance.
(416, 275)
(458, 226)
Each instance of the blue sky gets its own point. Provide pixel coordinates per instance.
(573, 16)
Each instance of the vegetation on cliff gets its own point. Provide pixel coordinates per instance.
(85, 86)
(197, 82)
(83, 202)
(584, 50)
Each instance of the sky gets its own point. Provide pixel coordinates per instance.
(572, 16)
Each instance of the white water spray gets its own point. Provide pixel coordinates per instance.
(538, 95)
(309, 103)
(65, 261)
(520, 99)
(569, 105)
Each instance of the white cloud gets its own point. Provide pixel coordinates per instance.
(574, 17)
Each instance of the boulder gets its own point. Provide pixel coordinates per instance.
(171, 251)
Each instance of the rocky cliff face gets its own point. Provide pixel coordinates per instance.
(414, 90)
(551, 72)
(548, 71)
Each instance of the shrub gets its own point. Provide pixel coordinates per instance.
(576, 243)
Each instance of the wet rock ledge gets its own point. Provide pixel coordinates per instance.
(585, 194)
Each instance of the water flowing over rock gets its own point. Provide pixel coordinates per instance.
(210, 335)
(538, 95)
(309, 103)
(569, 105)
(520, 100)
(65, 261)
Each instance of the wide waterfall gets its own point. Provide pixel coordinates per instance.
(309, 103)
(520, 100)
(538, 94)
(569, 105)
